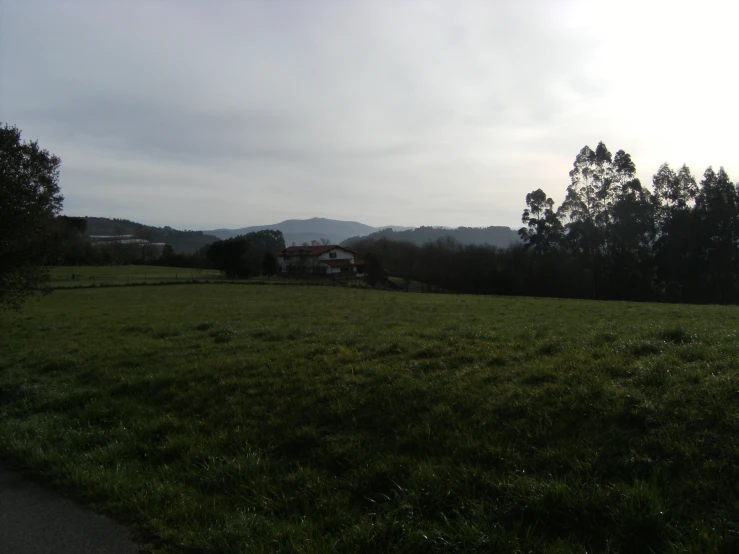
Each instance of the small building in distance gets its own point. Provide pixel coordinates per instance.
(135, 247)
(332, 260)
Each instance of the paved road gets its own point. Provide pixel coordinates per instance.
(34, 520)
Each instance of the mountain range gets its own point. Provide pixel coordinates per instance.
(298, 231)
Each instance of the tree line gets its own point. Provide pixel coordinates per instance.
(494, 235)
(240, 256)
(611, 238)
(181, 241)
(246, 255)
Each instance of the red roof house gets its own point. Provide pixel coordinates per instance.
(332, 259)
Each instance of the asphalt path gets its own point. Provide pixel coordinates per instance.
(34, 520)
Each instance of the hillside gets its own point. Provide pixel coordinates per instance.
(182, 242)
(299, 231)
(501, 237)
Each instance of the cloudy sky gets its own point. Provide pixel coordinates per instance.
(202, 114)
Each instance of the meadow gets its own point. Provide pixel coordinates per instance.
(238, 418)
(111, 275)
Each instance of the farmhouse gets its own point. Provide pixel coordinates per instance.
(333, 260)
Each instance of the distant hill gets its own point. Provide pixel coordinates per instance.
(182, 242)
(299, 231)
(501, 237)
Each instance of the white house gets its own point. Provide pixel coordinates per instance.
(334, 260)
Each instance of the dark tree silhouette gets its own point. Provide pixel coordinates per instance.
(544, 229)
(245, 255)
(612, 237)
(229, 256)
(717, 231)
(270, 264)
(29, 201)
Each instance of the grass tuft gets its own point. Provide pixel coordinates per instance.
(165, 331)
(641, 348)
(549, 348)
(63, 365)
(223, 335)
(676, 334)
(145, 329)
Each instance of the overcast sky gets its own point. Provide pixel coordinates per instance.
(203, 114)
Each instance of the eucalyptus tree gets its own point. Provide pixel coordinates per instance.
(676, 249)
(603, 188)
(543, 230)
(632, 235)
(674, 191)
(587, 207)
(717, 233)
(580, 204)
(624, 169)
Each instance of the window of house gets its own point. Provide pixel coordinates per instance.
(332, 254)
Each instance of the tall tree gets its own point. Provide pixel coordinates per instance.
(582, 210)
(270, 265)
(718, 234)
(230, 256)
(605, 191)
(624, 168)
(676, 250)
(259, 244)
(674, 191)
(633, 228)
(543, 230)
(266, 240)
(580, 202)
(29, 200)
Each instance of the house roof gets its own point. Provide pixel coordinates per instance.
(312, 250)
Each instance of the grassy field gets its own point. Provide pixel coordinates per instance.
(118, 275)
(233, 418)
(61, 276)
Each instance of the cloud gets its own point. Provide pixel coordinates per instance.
(228, 114)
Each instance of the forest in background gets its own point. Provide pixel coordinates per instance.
(499, 236)
(611, 238)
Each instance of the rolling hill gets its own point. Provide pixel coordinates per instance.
(299, 231)
(182, 242)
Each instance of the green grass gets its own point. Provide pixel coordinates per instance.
(320, 419)
(119, 275)
(412, 286)
(61, 276)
